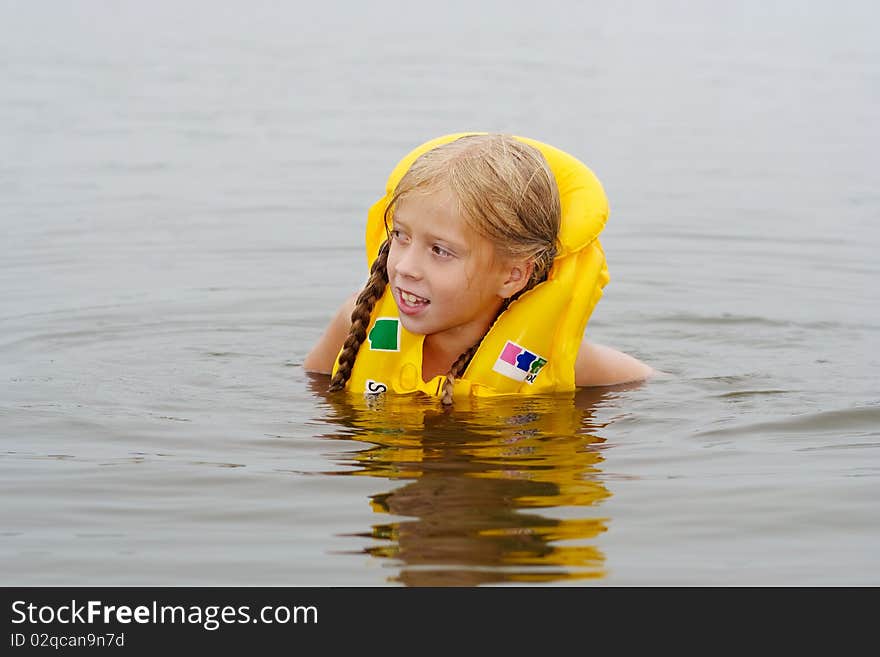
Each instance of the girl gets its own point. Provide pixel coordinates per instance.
(485, 267)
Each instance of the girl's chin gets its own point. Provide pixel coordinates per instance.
(412, 325)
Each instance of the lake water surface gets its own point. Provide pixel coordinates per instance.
(182, 200)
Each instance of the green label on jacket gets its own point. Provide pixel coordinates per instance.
(385, 334)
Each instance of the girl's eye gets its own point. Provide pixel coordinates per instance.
(440, 251)
(397, 235)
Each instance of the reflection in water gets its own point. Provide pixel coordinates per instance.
(475, 478)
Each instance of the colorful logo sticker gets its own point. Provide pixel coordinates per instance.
(385, 334)
(518, 363)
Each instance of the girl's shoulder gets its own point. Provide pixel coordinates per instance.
(600, 365)
(322, 357)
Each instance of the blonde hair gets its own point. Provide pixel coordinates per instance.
(507, 194)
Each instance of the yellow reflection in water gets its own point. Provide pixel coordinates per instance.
(471, 479)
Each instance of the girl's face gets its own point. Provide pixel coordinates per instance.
(446, 279)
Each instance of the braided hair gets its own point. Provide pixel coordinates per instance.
(360, 317)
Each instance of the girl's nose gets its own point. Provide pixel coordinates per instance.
(408, 264)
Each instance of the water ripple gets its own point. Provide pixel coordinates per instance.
(861, 419)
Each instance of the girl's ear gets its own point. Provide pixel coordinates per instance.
(518, 275)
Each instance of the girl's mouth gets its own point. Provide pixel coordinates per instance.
(409, 303)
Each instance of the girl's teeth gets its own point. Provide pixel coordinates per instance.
(411, 298)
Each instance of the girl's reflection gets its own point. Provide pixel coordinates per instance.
(475, 477)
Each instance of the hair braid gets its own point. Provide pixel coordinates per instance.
(539, 275)
(456, 370)
(360, 317)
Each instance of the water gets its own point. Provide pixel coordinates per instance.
(182, 201)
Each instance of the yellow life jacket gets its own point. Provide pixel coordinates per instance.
(532, 346)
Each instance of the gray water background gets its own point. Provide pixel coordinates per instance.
(183, 191)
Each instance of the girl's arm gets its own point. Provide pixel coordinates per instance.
(322, 357)
(598, 365)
